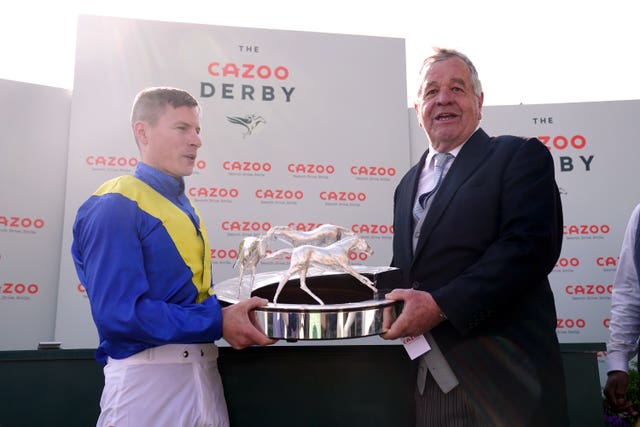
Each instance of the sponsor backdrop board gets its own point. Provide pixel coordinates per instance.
(34, 125)
(328, 142)
(298, 129)
(594, 149)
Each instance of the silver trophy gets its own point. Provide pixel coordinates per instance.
(334, 257)
(321, 295)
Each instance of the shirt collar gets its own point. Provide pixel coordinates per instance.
(432, 152)
(161, 182)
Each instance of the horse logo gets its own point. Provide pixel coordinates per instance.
(249, 122)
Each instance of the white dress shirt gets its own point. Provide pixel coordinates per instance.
(428, 173)
(433, 361)
(624, 328)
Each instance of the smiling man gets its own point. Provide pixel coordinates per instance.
(477, 229)
(141, 251)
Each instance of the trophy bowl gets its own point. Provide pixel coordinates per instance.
(350, 309)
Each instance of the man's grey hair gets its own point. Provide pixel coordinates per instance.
(440, 54)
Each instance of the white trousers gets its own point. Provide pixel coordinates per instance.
(175, 385)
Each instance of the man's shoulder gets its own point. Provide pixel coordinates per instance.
(118, 184)
(514, 143)
(515, 139)
(109, 194)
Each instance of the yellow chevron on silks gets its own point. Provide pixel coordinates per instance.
(195, 253)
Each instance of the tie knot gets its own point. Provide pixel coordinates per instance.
(441, 159)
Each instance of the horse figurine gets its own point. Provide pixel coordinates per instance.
(250, 252)
(322, 235)
(334, 256)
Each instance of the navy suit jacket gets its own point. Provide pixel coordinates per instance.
(491, 236)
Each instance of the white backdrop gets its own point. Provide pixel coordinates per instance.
(332, 109)
(334, 125)
(595, 150)
(34, 126)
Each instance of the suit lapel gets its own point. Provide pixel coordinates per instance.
(406, 200)
(467, 161)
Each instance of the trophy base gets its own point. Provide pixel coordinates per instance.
(350, 309)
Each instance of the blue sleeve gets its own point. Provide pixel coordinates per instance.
(113, 244)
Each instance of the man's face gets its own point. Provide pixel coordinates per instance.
(448, 110)
(172, 143)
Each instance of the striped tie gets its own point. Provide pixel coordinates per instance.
(441, 160)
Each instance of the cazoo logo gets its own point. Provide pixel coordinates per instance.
(234, 81)
(586, 229)
(311, 169)
(568, 262)
(20, 289)
(124, 162)
(343, 196)
(589, 289)
(372, 229)
(564, 323)
(244, 166)
(372, 171)
(279, 194)
(247, 71)
(214, 192)
(21, 222)
(113, 161)
(222, 254)
(252, 226)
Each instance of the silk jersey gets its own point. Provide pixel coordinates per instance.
(142, 254)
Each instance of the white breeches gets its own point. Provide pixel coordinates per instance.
(174, 385)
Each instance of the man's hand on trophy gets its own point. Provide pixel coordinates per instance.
(420, 314)
(239, 324)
